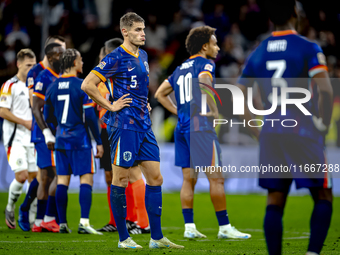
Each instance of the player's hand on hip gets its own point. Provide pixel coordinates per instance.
(121, 103)
(27, 124)
(211, 114)
(100, 151)
(50, 146)
(318, 123)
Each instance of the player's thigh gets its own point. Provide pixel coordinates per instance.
(135, 174)
(105, 160)
(120, 176)
(182, 149)
(45, 157)
(17, 157)
(86, 179)
(21, 176)
(63, 180)
(321, 194)
(152, 173)
(278, 198)
(189, 175)
(148, 148)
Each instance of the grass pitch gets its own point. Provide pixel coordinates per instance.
(246, 212)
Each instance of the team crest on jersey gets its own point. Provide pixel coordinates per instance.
(102, 65)
(321, 58)
(39, 86)
(3, 98)
(146, 66)
(208, 67)
(127, 155)
(19, 162)
(30, 81)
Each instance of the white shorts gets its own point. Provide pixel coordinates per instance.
(21, 158)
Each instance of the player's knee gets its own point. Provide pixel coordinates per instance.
(157, 180)
(325, 194)
(216, 181)
(124, 181)
(21, 176)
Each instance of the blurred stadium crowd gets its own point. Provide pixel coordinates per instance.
(241, 25)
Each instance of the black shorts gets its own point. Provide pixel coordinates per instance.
(105, 161)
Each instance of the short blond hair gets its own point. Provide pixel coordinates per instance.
(127, 20)
(25, 53)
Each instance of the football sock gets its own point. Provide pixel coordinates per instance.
(188, 215)
(118, 205)
(138, 191)
(222, 217)
(30, 196)
(319, 225)
(85, 200)
(130, 205)
(42, 204)
(14, 193)
(85, 222)
(273, 229)
(112, 219)
(153, 204)
(61, 199)
(51, 210)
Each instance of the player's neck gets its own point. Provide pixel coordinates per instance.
(45, 61)
(202, 54)
(70, 72)
(288, 26)
(131, 47)
(21, 77)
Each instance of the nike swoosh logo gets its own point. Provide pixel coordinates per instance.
(124, 206)
(130, 69)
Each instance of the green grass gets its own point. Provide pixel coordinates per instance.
(246, 212)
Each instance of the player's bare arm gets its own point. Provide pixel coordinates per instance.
(325, 100)
(38, 104)
(247, 114)
(162, 95)
(205, 79)
(89, 86)
(5, 113)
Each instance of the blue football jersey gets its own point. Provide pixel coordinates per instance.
(1, 121)
(66, 100)
(41, 83)
(124, 72)
(292, 60)
(184, 81)
(33, 74)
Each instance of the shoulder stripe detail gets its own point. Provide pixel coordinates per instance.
(39, 95)
(206, 72)
(7, 87)
(42, 65)
(89, 105)
(100, 76)
(52, 72)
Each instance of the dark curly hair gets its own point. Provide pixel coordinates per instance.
(280, 11)
(197, 37)
(67, 59)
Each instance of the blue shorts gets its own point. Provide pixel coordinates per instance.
(292, 150)
(76, 162)
(45, 157)
(129, 147)
(197, 149)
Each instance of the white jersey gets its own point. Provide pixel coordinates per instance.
(15, 97)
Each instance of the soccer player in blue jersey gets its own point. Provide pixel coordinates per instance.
(287, 60)
(125, 72)
(40, 187)
(46, 161)
(196, 142)
(66, 102)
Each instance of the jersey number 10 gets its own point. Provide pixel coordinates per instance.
(185, 88)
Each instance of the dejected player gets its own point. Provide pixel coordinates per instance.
(196, 142)
(288, 60)
(66, 102)
(125, 72)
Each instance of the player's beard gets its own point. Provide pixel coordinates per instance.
(56, 66)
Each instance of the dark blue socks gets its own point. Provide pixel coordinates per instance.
(61, 199)
(153, 204)
(51, 207)
(319, 225)
(222, 217)
(188, 215)
(41, 209)
(30, 196)
(85, 200)
(273, 229)
(118, 206)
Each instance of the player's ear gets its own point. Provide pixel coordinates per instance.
(205, 46)
(124, 32)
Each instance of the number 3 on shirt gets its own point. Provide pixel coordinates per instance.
(65, 98)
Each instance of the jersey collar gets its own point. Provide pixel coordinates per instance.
(195, 56)
(42, 65)
(67, 75)
(129, 52)
(284, 32)
(52, 72)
